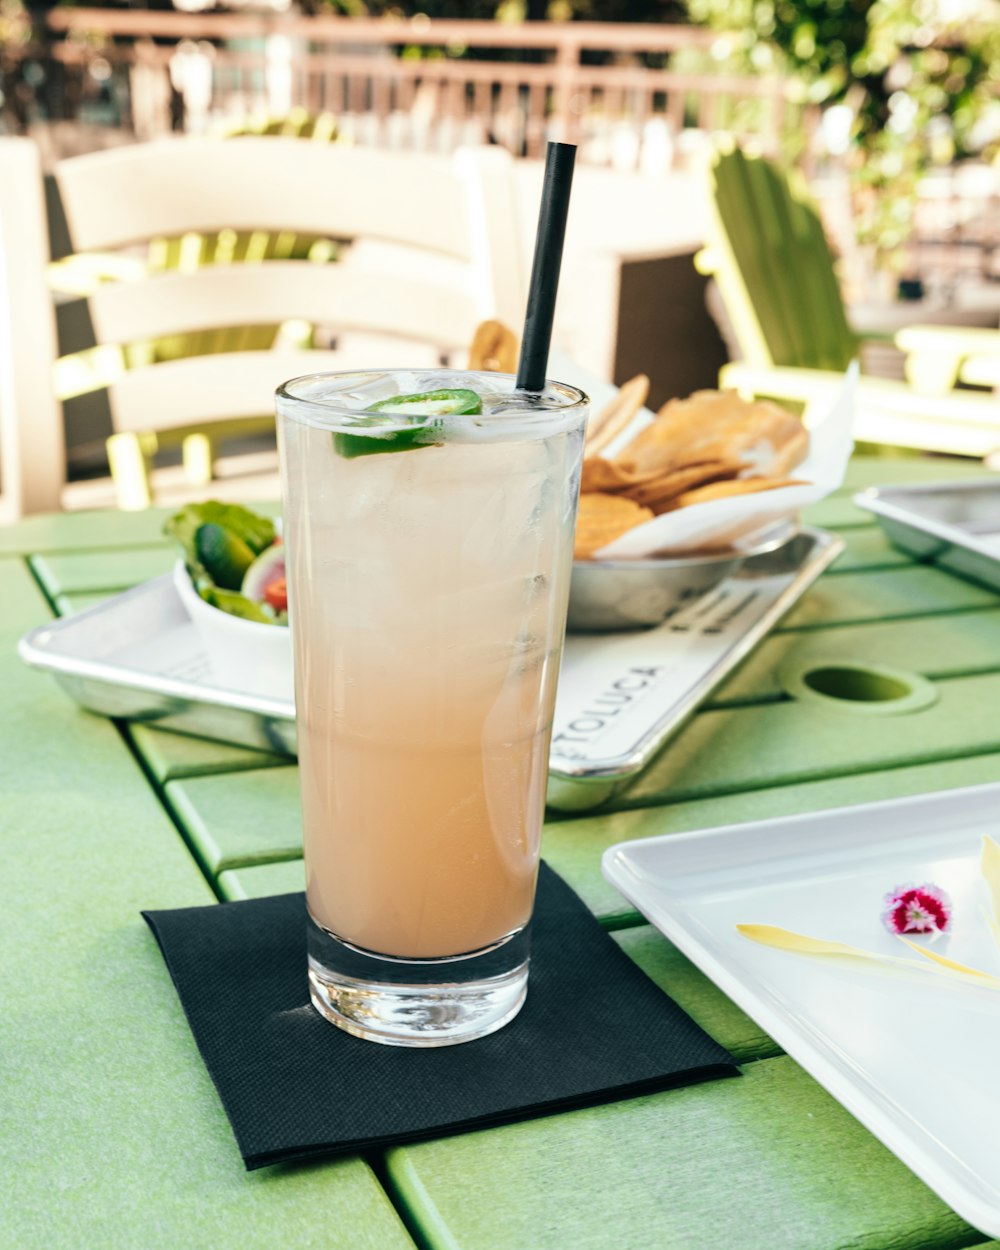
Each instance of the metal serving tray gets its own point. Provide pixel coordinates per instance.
(138, 657)
(955, 525)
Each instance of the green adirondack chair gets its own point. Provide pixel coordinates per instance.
(777, 278)
(779, 284)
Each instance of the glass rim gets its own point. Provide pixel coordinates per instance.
(331, 410)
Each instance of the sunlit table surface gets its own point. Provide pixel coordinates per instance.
(112, 1132)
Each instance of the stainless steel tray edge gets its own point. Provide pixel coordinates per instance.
(184, 706)
(173, 703)
(587, 787)
(930, 540)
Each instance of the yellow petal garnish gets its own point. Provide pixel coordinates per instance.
(801, 943)
(786, 940)
(993, 925)
(951, 964)
(990, 864)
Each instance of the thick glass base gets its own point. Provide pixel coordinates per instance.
(426, 1002)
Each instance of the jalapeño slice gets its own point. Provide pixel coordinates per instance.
(458, 402)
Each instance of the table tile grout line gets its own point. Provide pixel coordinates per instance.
(29, 562)
(440, 1238)
(612, 922)
(114, 588)
(110, 591)
(781, 696)
(122, 729)
(889, 565)
(621, 921)
(160, 792)
(97, 549)
(238, 865)
(227, 770)
(853, 623)
(912, 762)
(422, 1239)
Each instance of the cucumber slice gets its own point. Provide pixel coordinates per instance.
(223, 556)
(458, 402)
(433, 403)
(352, 445)
(235, 604)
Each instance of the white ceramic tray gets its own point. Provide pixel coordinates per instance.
(913, 1056)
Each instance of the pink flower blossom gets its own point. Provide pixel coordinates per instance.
(916, 909)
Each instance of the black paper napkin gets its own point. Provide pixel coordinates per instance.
(593, 1028)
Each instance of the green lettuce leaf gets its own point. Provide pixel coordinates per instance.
(235, 604)
(241, 527)
(256, 531)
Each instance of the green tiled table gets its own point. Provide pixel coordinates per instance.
(112, 1135)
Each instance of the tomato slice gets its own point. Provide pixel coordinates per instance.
(277, 595)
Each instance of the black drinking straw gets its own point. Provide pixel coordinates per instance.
(556, 186)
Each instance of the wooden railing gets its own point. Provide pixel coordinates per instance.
(630, 95)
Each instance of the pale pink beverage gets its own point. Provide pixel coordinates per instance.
(428, 587)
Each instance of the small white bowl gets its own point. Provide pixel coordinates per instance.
(246, 656)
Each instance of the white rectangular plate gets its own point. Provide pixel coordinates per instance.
(915, 1057)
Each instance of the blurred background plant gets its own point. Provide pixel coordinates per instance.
(905, 85)
(901, 86)
(15, 39)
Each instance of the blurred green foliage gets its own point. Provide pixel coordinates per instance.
(516, 10)
(917, 81)
(921, 79)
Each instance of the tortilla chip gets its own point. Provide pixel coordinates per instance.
(599, 474)
(792, 453)
(603, 518)
(658, 492)
(718, 425)
(494, 348)
(739, 486)
(605, 426)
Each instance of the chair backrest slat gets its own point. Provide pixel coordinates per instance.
(339, 296)
(783, 269)
(772, 252)
(28, 482)
(201, 389)
(216, 241)
(172, 187)
(839, 343)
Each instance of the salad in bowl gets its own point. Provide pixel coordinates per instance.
(231, 580)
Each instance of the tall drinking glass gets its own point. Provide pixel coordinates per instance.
(428, 559)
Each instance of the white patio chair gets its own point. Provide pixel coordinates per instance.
(442, 230)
